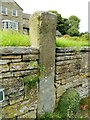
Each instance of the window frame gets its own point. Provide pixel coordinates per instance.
(7, 24)
(5, 11)
(16, 13)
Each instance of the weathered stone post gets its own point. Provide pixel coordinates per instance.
(43, 35)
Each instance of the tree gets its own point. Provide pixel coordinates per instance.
(74, 21)
(62, 23)
(67, 26)
(73, 25)
(73, 31)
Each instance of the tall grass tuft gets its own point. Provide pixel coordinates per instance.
(13, 38)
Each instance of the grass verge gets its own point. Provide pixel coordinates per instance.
(69, 42)
(13, 38)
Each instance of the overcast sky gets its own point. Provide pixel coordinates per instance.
(65, 7)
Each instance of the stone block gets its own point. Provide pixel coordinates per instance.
(11, 57)
(25, 72)
(23, 66)
(59, 77)
(64, 54)
(19, 66)
(15, 99)
(62, 69)
(28, 115)
(84, 61)
(65, 50)
(59, 63)
(63, 82)
(18, 50)
(6, 75)
(30, 57)
(2, 62)
(4, 68)
(71, 67)
(60, 90)
(57, 84)
(16, 60)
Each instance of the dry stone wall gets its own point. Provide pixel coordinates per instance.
(72, 70)
(15, 64)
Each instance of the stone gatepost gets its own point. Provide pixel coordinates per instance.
(43, 36)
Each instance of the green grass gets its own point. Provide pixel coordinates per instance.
(70, 42)
(13, 38)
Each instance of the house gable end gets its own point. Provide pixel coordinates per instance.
(18, 5)
(11, 1)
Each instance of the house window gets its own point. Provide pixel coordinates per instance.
(7, 24)
(15, 25)
(1, 95)
(4, 10)
(14, 12)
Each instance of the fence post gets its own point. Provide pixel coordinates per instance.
(43, 36)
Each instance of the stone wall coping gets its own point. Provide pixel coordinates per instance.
(30, 50)
(72, 49)
(18, 50)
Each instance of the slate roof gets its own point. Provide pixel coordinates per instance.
(26, 16)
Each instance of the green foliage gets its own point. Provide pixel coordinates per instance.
(73, 26)
(33, 64)
(46, 116)
(74, 21)
(13, 38)
(30, 81)
(84, 37)
(84, 101)
(73, 31)
(62, 23)
(68, 104)
(70, 98)
(68, 26)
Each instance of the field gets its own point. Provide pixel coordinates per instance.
(13, 38)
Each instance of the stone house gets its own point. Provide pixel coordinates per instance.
(12, 16)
